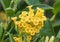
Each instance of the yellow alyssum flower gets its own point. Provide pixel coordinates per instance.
(37, 30)
(29, 37)
(32, 31)
(27, 30)
(31, 13)
(17, 39)
(29, 7)
(14, 18)
(36, 21)
(24, 14)
(39, 13)
(31, 22)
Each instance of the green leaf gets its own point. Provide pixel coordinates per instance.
(18, 13)
(11, 27)
(36, 3)
(10, 12)
(16, 2)
(42, 39)
(11, 38)
(32, 2)
(47, 30)
(44, 6)
(58, 35)
(1, 30)
(5, 3)
(57, 39)
(56, 23)
(57, 0)
(6, 40)
(34, 39)
(56, 7)
(25, 38)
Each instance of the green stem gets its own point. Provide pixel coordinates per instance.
(3, 37)
(10, 30)
(6, 33)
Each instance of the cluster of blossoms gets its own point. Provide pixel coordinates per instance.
(30, 22)
(19, 39)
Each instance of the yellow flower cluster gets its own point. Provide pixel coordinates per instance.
(19, 39)
(30, 22)
(16, 39)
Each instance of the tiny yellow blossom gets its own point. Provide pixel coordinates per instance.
(18, 39)
(36, 30)
(29, 7)
(44, 18)
(14, 18)
(27, 30)
(32, 31)
(17, 22)
(31, 13)
(29, 38)
(23, 15)
(35, 21)
(39, 13)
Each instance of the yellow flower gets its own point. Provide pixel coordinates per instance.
(16, 23)
(20, 25)
(14, 18)
(32, 31)
(39, 13)
(35, 21)
(30, 19)
(41, 23)
(31, 13)
(18, 39)
(23, 15)
(40, 10)
(29, 37)
(29, 7)
(28, 25)
(44, 18)
(37, 30)
(27, 30)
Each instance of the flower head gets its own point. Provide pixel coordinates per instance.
(31, 22)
